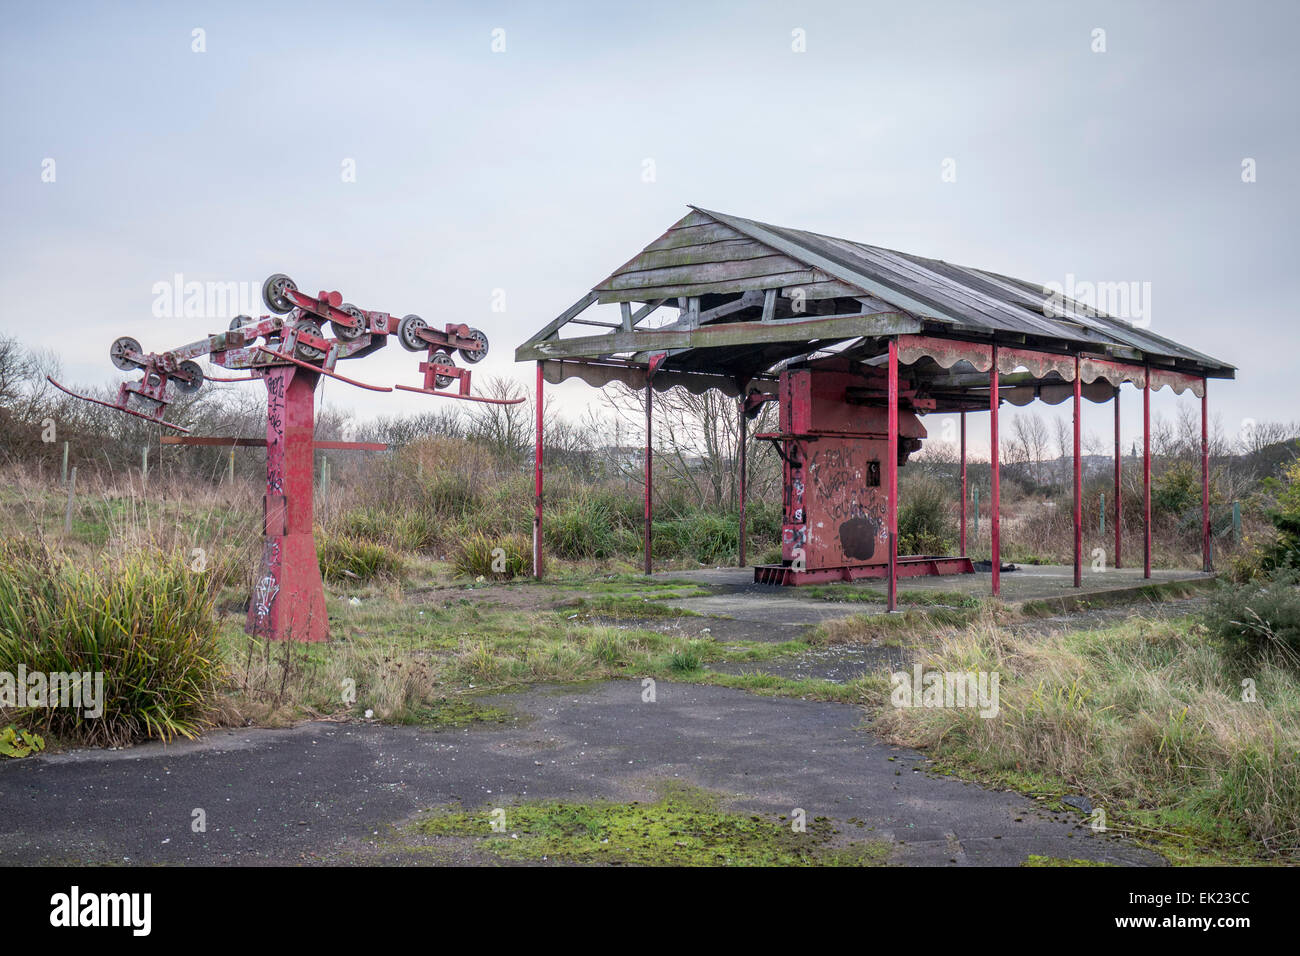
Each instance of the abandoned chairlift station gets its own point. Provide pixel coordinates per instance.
(855, 342)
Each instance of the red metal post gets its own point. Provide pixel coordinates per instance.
(740, 405)
(288, 601)
(649, 473)
(537, 483)
(892, 468)
(995, 498)
(1146, 475)
(1118, 466)
(962, 536)
(1205, 476)
(1078, 476)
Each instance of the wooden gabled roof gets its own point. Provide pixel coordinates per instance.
(751, 294)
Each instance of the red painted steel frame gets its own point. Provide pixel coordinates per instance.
(892, 469)
(649, 474)
(1078, 476)
(120, 405)
(1205, 477)
(537, 484)
(995, 497)
(1146, 476)
(963, 485)
(744, 422)
(1118, 467)
(288, 601)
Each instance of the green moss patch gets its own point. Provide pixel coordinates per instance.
(1036, 860)
(684, 827)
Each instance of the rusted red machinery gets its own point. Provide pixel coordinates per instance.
(834, 443)
(289, 351)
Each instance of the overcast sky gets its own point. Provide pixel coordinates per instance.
(387, 151)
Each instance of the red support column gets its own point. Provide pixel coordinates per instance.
(537, 483)
(1205, 476)
(995, 498)
(288, 602)
(649, 473)
(1146, 475)
(1078, 476)
(740, 405)
(1118, 466)
(892, 468)
(963, 485)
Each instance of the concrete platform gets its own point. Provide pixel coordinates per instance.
(740, 598)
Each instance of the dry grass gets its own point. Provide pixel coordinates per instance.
(1146, 718)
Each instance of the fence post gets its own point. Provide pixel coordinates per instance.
(1236, 522)
(144, 465)
(72, 490)
(1101, 513)
(65, 463)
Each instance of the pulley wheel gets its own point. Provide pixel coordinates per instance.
(406, 333)
(118, 350)
(441, 358)
(190, 379)
(302, 349)
(273, 293)
(478, 355)
(348, 333)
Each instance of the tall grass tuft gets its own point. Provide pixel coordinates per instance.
(144, 620)
(344, 558)
(493, 557)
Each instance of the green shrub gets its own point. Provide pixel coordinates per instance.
(924, 526)
(344, 558)
(1252, 619)
(404, 531)
(711, 537)
(450, 492)
(580, 529)
(1176, 490)
(1285, 552)
(144, 621)
(684, 659)
(493, 557)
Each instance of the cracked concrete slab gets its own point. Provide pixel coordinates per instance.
(324, 792)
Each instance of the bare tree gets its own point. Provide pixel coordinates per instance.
(507, 429)
(696, 440)
(1030, 441)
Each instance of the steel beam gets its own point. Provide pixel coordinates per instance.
(962, 535)
(995, 499)
(537, 482)
(1119, 454)
(1207, 565)
(741, 468)
(649, 475)
(1078, 476)
(1146, 477)
(288, 601)
(892, 469)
